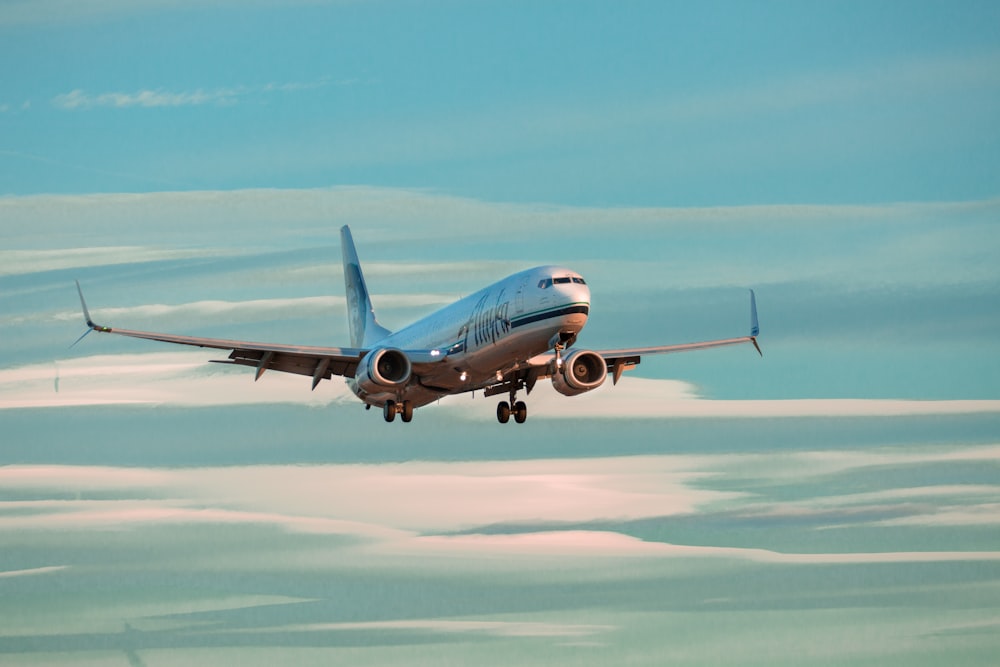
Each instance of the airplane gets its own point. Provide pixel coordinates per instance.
(500, 340)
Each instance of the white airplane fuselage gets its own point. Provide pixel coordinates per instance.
(489, 333)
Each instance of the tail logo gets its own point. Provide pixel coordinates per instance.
(357, 302)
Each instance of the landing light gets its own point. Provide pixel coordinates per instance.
(464, 376)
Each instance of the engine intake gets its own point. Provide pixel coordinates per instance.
(582, 370)
(381, 368)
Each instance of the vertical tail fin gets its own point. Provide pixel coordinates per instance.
(365, 329)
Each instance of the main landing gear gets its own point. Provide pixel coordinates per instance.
(392, 408)
(505, 410)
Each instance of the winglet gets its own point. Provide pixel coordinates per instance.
(83, 304)
(754, 324)
(86, 315)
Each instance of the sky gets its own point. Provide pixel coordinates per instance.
(835, 501)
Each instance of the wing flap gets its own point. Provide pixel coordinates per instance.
(319, 367)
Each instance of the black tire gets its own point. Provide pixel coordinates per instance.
(407, 413)
(389, 410)
(503, 412)
(520, 412)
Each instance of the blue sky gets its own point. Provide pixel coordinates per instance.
(564, 102)
(191, 162)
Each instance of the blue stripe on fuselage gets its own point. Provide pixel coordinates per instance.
(548, 314)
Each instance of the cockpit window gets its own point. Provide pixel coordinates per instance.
(545, 283)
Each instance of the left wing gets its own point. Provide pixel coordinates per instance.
(319, 362)
(621, 360)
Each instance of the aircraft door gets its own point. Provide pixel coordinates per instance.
(519, 299)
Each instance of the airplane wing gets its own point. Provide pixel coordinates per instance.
(318, 362)
(621, 360)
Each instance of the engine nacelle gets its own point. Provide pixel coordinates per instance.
(582, 370)
(381, 369)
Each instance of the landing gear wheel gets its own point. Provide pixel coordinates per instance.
(503, 412)
(407, 413)
(520, 412)
(389, 410)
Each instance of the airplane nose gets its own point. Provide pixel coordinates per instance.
(575, 299)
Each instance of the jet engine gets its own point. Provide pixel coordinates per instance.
(382, 369)
(582, 370)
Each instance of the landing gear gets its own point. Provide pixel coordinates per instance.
(519, 410)
(404, 409)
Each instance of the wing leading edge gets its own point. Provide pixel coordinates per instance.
(318, 362)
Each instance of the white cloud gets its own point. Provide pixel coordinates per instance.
(167, 378)
(186, 378)
(614, 545)
(9, 574)
(19, 262)
(397, 511)
(643, 397)
(390, 502)
(78, 99)
(463, 626)
(28, 12)
(901, 246)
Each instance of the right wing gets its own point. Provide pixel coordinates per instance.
(318, 362)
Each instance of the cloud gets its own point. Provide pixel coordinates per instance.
(449, 626)
(77, 100)
(186, 378)
(22, 262)
(9, 574)
(384, 516)
(651, 398)
(875, 245)
(167, 378)
(392, 502)
(29, 12)
(615, 545)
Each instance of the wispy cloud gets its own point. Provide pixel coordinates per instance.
(902, 243)
(20, 262)
(28, 12)
(35, 571)
(615, 545)
(186, 378)
(78, 99)
(388, 530)
(449, 626)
